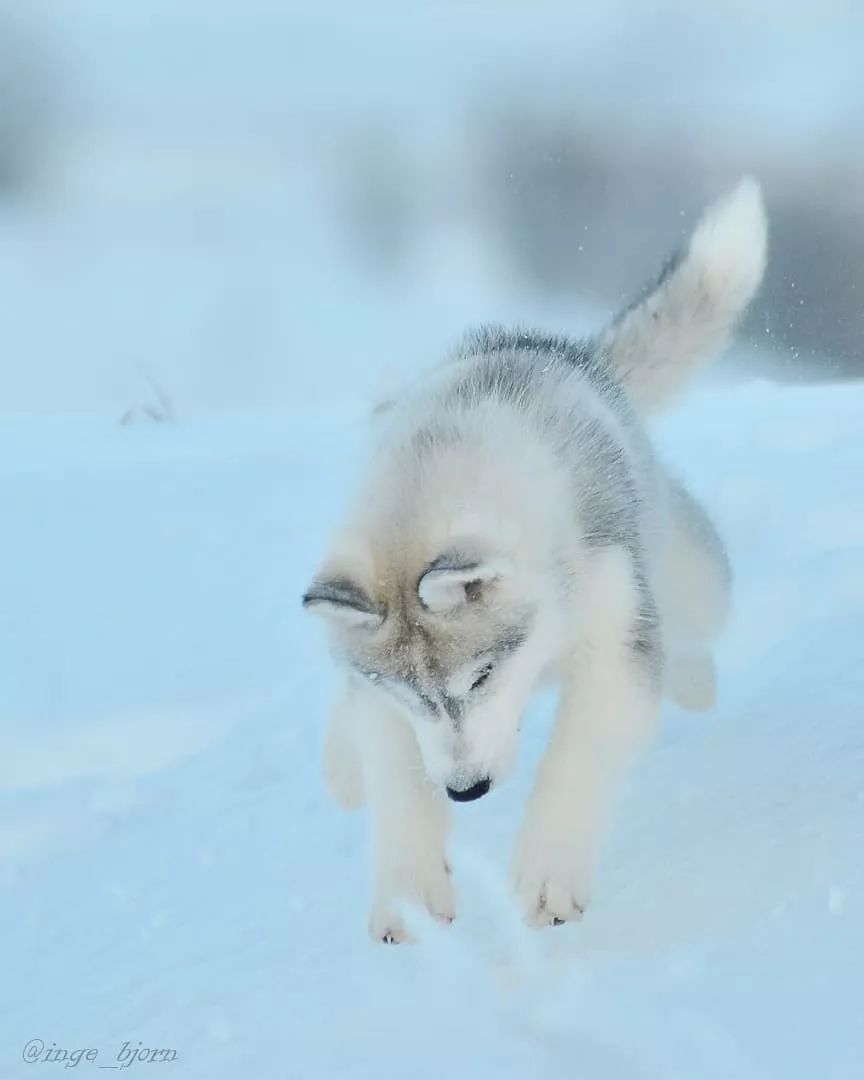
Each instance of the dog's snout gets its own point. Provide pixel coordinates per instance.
(476, 791)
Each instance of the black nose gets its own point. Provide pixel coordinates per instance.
(476, 791)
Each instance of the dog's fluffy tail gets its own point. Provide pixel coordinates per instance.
(688, 315)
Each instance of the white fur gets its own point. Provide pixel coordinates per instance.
(410, 822)
(690, 316)
(514, 526)
(606, 714)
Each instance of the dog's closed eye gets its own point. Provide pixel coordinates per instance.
(482, 676)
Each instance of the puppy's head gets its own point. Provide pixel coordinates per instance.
(456, 643)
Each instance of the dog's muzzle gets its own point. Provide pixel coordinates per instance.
(476, 791)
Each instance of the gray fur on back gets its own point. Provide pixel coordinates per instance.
(567, 390)
(556, 382)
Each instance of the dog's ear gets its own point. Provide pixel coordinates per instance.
(451, 580)
(340, 598)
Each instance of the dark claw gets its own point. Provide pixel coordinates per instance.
(557, 922)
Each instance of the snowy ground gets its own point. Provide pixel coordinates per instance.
(172, 872)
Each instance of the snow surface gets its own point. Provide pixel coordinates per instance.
(171, 870)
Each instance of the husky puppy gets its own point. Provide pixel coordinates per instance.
(515, 526)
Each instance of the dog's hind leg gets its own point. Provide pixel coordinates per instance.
(693, 594)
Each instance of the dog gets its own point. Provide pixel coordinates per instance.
(516, 527)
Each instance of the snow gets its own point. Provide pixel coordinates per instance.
(776, 72)
(171, 870)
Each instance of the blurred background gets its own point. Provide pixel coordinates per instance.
(209, 205)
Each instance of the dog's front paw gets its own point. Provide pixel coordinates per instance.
(425, 886)
(551, 874)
